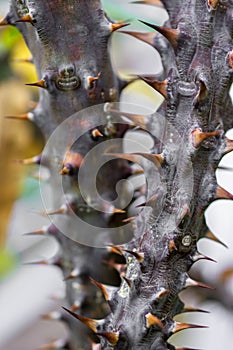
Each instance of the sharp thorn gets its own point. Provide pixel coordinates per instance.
(192, 283)
(145, 37)
(132, 218)
(198, 136)
(138, 120)
(72, 162)
(221, 193)
(213, 4)
(75, 306)
(181, 326)
(172, 246)
(22, 60)
(157, 3)
(170, 34)
(26, 19)
(41, 84)
(101, 287)
(96, 133)
(112, 337)
(57, 344)
(137, 255)
(211, 236)
(30, 161)
(54, 315)
(26, 116)
(4, 22)
(40, 232)
(89, 322)
(156, 159)
(74, 273)
(162, 292)
(115, 249)
(229, 145)
(199, 256)
(152, 320)
(188, 308)
(118, 25)
(91, 80)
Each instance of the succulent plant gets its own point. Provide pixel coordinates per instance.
(147, 263)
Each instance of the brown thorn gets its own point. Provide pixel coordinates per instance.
(152, 320)
(41, 84)
(221, 193)
(101, 287)
(74, 273)
(4, 22)
(91, 80)
(170, 34)
(211, 236)
(128, 156)
(137, 255)
(57, 344)
(198, 256)
(157, 3)
(26, 116)
(96, 133)
(40, 232)
(75, 306)
(181, 326)
(157, 159)
(132, 218)
(162, 292)
(89, 322)
(118, 25)
(213, 4)
(30, 161)
(172, 246)
(198, 136)
(54, 315)
(127, 280)
(118, 211)
(188, 308)
(115, 249)
(138, 120)
(112, 337)
(229, 145)
(145, 37)
(22, 60)
(192, 283)
(26, 19)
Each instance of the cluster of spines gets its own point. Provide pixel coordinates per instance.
(197, 138)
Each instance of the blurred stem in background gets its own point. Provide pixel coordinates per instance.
(18, 139)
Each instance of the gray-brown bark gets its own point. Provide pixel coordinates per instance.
(69, 44)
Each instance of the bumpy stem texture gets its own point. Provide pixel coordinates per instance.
(69, 44)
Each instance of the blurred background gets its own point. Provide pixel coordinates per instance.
(28, 291)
